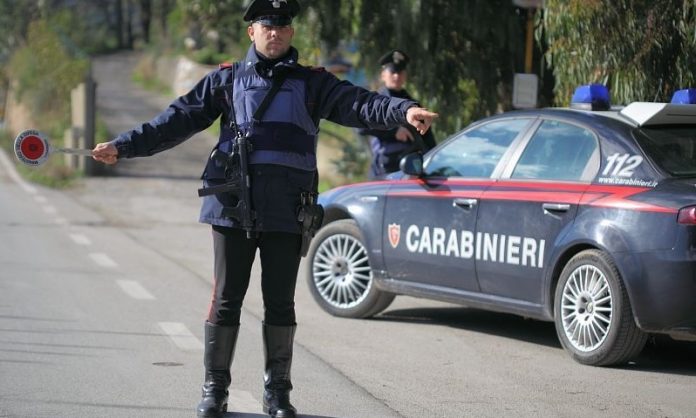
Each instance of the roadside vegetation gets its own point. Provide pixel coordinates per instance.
(461, 66)
(42, 73)
(145, 75)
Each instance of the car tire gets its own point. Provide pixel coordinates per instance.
(339, 273)
(592, 312)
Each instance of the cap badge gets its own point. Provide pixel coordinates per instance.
(397, 57)
(276, 3)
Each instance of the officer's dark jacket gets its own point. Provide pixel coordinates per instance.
(324, 97)
(386, 149)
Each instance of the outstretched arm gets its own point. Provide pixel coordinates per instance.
(190, 113)
(344, 103)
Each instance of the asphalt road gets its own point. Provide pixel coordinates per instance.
(104, 289)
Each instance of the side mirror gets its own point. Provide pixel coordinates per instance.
(412, 164)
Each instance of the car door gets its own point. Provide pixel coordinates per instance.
(529, 208)
(430, 222)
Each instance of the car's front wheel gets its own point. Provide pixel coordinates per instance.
(339, 274)
(593, 315)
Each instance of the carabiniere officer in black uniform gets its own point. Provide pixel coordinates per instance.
(281, 169)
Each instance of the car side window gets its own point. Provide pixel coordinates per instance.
(558, 151)
(475, 153)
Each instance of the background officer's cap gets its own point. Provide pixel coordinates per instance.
(272, 12)
(396, 61)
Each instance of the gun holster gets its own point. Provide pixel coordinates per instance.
(310, 215)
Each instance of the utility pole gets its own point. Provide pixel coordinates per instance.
(525, 90)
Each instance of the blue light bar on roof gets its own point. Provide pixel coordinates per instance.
(591, 97)
(685, 96)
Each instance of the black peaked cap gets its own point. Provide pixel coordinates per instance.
(396, 60)
(259, 8)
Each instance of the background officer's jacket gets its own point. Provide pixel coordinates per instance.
(386, 149)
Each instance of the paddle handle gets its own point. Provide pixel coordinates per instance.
(75, 151)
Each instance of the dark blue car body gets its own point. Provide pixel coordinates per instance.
(578, 217)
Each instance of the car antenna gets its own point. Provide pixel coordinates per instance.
(659, 88)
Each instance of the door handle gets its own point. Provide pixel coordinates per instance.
(555, 207)
(464, 203)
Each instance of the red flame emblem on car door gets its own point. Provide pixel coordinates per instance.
(394, 232)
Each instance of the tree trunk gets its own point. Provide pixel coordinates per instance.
(164, 9)
(129, 24)
(119, 23)
(145, 18)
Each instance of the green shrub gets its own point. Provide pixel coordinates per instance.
(209, 56)
(354, 158)
(43, 73)
(145, 75)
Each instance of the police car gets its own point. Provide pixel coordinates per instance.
(584, 216)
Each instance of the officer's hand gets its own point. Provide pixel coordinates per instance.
(105, 152)
(420, 118)
(403, 134)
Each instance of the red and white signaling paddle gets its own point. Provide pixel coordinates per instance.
(33, 148)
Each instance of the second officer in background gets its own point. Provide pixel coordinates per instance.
(388, 146)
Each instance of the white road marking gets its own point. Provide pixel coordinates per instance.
(80, 239)
(134, 289)
(103, 260)
(181, 336)
(244, 402)
(40, 199)
(14, 175)
(50, 209)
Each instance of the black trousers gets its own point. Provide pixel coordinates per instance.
(234, 257)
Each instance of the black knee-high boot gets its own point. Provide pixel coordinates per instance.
(219, 351)
(277, 342)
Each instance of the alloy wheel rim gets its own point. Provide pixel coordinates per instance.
(586, 308)
(341, 271)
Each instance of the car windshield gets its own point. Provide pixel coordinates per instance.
(673, 148)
